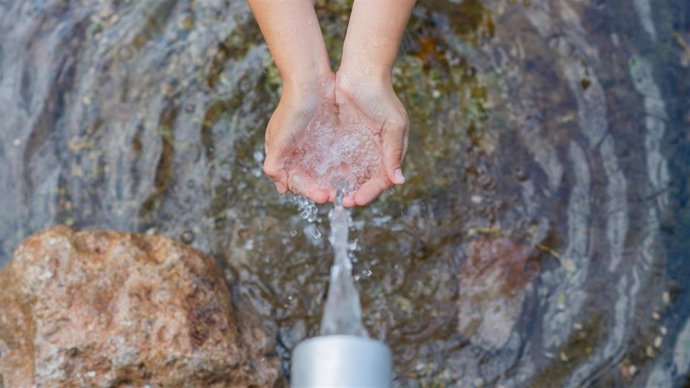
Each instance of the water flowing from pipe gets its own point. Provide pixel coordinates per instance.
(342, 313)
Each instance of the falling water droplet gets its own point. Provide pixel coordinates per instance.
(352, 257)
(187, 237)
(352, 246)
(259, 156)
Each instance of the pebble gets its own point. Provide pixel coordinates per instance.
(564, 357)
(187, 237)
(568, 265)
(628, 371)
(561, 302)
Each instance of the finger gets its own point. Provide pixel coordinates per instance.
(280, 187)
(280, 142)
(370, 190)
(275, 170)
(332, 195)
(394, 138)
(349, 201)
(319, 196)
(303, 184)
(274, 165)
(405, 142)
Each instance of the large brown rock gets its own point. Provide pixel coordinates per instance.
(111, 309)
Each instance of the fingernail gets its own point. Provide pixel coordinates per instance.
(399, 178)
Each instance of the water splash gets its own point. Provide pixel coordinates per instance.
(307, 209)
(342, 313)
(335, 146)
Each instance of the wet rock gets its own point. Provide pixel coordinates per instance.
(113, 309)
(493, 286)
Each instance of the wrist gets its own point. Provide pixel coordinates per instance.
(366, 72)
(353, 81)
(307, 78)
(308, 90)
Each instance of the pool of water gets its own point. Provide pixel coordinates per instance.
(541, 237)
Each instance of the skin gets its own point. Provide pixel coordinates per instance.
(361, 89)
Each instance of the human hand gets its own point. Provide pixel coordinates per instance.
(301, 104)
(334, 132)
(373, 102)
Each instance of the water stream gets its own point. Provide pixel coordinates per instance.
(342, 313)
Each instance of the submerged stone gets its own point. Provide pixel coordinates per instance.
(493, 286)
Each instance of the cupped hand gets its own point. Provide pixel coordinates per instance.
(301, 104)
(338, 132)
(373, 102)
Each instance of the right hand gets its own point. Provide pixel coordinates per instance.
(299, 105)
(372, 101)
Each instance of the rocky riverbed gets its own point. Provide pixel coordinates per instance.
(552, 133)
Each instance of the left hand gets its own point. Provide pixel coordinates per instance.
(299, 106)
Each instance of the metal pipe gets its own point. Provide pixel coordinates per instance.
(341, 361)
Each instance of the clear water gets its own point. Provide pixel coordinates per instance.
(561, 126)
(328, 148)
(342, 313)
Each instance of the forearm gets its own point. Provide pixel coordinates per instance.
(373, 37)
(294, 38)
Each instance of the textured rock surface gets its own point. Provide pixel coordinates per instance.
(493, 285)
(118, 309)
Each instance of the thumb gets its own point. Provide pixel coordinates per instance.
(274, 168)
(394, 147)
(277, 146)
